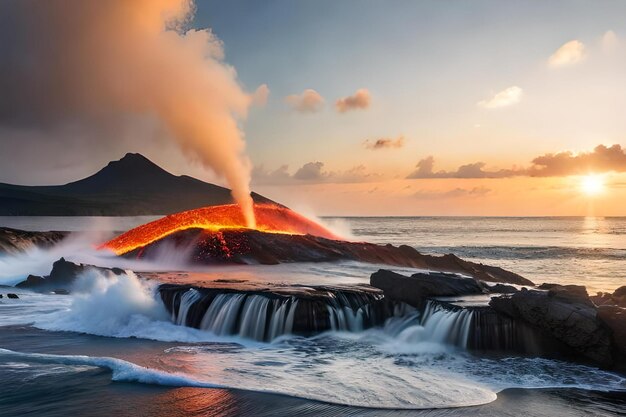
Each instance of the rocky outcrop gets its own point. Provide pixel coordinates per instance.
(565, 313)
(254, 247)
(618, 298)
(62, 276)
(415, 289)
(11, 295)
(615, 319)
(14, 240)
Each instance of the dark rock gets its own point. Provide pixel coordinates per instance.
(502, 289)
(11, 295)
(571, 293)
(416, 288)
(492, 331)
(253, 247)
(547, 286)
(1, 295)
(620, 292)
(31, 281)
(62, 277)
(615, 319)
(618, 298)
(566, 313)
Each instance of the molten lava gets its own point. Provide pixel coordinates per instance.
(270, 218)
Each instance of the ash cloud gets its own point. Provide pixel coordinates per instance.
(601, 160)
(96, 64)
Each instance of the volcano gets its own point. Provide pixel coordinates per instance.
(270, 218)
(130, 186)
(218, 235)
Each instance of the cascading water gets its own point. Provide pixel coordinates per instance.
(266, 315)
(436, 324)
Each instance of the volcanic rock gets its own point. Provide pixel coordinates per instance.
(618, 298)
(566, 313)
(242, 246)
(62, 276)
(615, 319)
(416, 288)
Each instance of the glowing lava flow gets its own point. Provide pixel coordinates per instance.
(269, 218)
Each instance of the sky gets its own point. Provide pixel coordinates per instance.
(386, 108)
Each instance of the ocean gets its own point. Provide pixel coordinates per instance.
(110, 348)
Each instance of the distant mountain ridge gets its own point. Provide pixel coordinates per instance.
(131, 186)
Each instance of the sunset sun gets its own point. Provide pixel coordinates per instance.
(592, 185)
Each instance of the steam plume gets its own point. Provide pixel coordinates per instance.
(93, 61)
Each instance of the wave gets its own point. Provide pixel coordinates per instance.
(528, 252)
(125, 371)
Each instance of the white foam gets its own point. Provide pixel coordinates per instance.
(362, 392)
(110, 305)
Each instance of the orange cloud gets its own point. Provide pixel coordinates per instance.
(602, 159)
(359, 100)
(310, 101)
(261, 95)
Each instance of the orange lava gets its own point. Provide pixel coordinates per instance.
(270, 218)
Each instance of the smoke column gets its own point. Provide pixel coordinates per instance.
(94, 60)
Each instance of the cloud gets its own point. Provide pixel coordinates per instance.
(310, 101)
(260, 96)
(384, 143)
(312, 173)
(360, 100)
(450, 194)
(610, 41)
(601, 160)
(504, 98)
(568, 54)
(473, 170)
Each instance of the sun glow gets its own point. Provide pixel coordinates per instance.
(592, 185)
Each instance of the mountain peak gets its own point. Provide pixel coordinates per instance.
(133, 159)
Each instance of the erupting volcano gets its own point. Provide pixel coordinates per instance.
(270, 218)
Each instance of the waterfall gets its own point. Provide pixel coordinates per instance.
(443, 325)
(265, 315)
(186, 301)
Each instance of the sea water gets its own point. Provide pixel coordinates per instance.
(410, 362)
